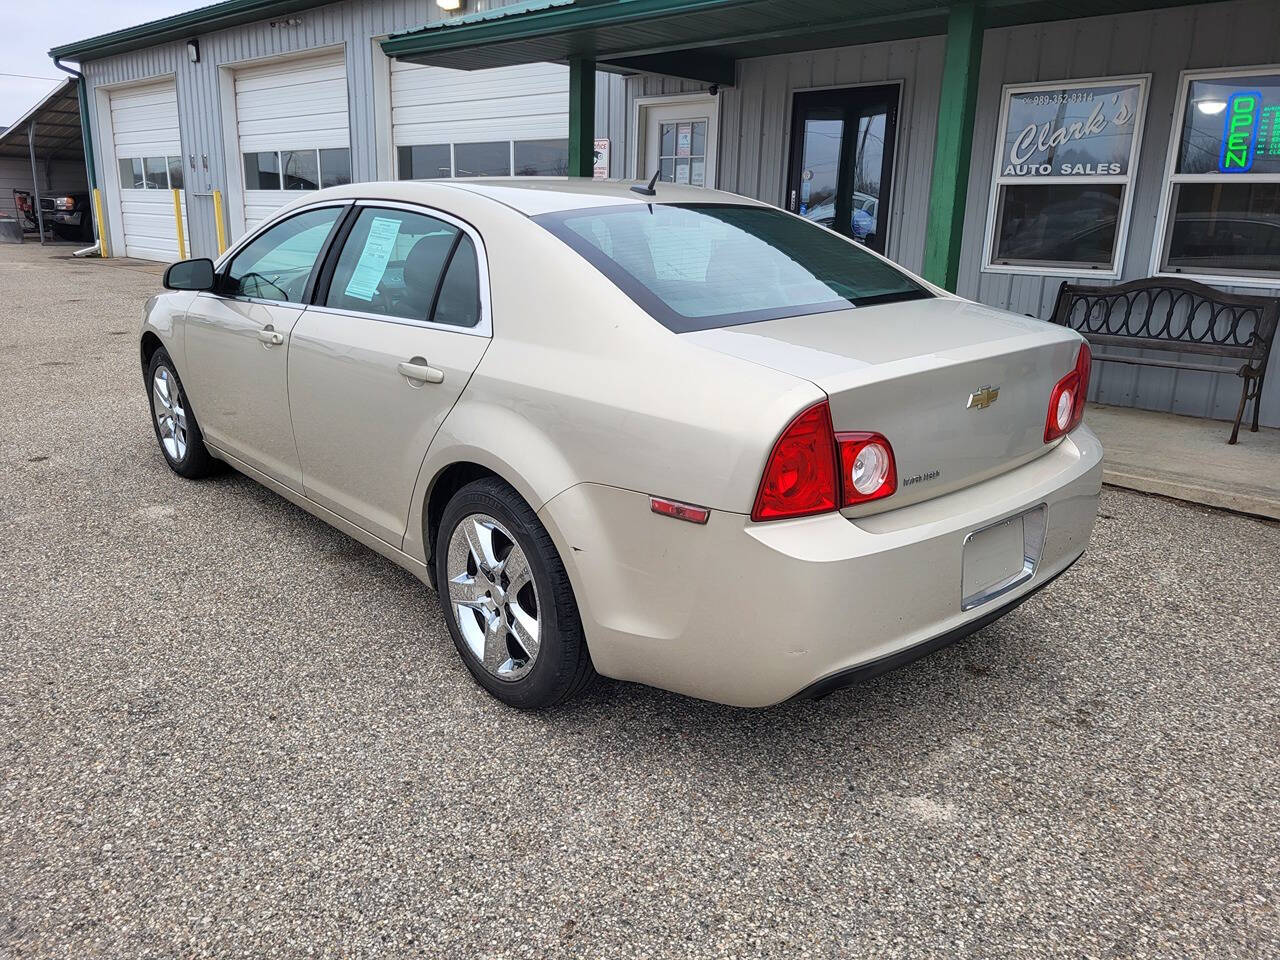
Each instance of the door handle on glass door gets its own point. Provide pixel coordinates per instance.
(418, 369)
(268, 336)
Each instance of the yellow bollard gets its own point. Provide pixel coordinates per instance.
(217, 216)
(177, 218)
(102, 224)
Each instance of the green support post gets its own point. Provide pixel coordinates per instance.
(954, 144)
(582, 116)
(86, 135)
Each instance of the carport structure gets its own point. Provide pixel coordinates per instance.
(703, 40)
(47, 137)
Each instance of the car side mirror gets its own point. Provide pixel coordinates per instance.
(190, 275)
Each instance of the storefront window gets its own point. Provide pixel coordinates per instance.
(1059, 223)
(150, 173)
(1222, 203)
(335, 167)
(309, 169)
(425, 162)
(1061, 185)
(482, 159)
(532, 158)
(542, 158)
(301, 169)
(262, 171)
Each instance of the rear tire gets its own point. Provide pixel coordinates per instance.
(507, 599)
(177, 432)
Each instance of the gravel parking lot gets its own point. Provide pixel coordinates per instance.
(229, 731)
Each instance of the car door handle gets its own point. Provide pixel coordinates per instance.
(419, 370)
(270, 337)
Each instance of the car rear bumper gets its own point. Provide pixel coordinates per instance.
(755, 613)
(867, 671)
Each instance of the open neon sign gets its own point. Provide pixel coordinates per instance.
(1240, 132)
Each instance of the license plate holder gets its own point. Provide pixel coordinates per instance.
(1001, 556)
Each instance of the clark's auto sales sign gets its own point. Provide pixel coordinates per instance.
(1080, 130)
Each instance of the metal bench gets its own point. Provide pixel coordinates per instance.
(1177, 316)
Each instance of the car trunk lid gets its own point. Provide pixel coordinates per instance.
(960, 390)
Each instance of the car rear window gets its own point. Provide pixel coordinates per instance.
(698, 266)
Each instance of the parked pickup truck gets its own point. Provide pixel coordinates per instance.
(66, 214)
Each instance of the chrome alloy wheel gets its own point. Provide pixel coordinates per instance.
(493, 596)
(171, 413)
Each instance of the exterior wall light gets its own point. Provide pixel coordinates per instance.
(193, 51)
(449, 4)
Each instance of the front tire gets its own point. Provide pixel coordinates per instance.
(507, 599)
(177, 432)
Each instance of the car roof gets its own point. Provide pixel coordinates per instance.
(534, 195)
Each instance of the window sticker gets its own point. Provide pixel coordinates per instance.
(372, 264)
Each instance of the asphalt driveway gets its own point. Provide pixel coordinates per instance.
(226, 730)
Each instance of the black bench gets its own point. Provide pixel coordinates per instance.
(1177, 316)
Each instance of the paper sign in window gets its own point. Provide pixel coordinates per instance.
(372, 264)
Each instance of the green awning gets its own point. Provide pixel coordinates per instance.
(701, 39)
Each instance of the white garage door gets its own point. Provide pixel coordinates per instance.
(483, 123)
(144, 133)
(291, 116)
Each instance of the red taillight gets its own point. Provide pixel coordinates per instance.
(867, 470)
(813, 469)
(1067, 399)
(800, 474)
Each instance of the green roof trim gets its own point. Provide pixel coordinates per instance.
(644, 35)
(541, 18)
(182, 26)
(484, 16)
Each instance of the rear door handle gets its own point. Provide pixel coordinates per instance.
(419, 370)
(268, 336)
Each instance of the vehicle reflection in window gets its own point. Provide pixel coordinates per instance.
(1052, 224)
(1225, 228)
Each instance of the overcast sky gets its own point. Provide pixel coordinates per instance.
(31, 27)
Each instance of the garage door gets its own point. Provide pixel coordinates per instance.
(483, 123)
(291, 116)
(144, 133)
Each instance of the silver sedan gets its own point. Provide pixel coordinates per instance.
(677, 437)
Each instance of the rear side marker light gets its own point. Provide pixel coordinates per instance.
(678, 510)
(1067, 399)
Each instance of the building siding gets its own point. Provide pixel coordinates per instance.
(755, 132)
(353, 25)
(1162, 43)
(754, 117)
(755, 121)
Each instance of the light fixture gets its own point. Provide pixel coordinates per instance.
(449, 4)
(193, 51)
(1211, 108)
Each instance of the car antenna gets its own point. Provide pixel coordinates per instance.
(647, 191)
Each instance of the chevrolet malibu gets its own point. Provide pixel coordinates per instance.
(664, 434)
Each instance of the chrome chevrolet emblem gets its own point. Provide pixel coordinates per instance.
(983, 398)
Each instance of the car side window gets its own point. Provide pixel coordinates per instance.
(459, 302)
(392, 263)
(277, 264)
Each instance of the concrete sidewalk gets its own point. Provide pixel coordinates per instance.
(1189, 459)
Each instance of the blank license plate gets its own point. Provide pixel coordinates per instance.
(1000, 557)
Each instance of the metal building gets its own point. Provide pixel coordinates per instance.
(898, 122)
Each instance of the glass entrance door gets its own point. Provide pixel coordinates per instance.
(842, 160)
